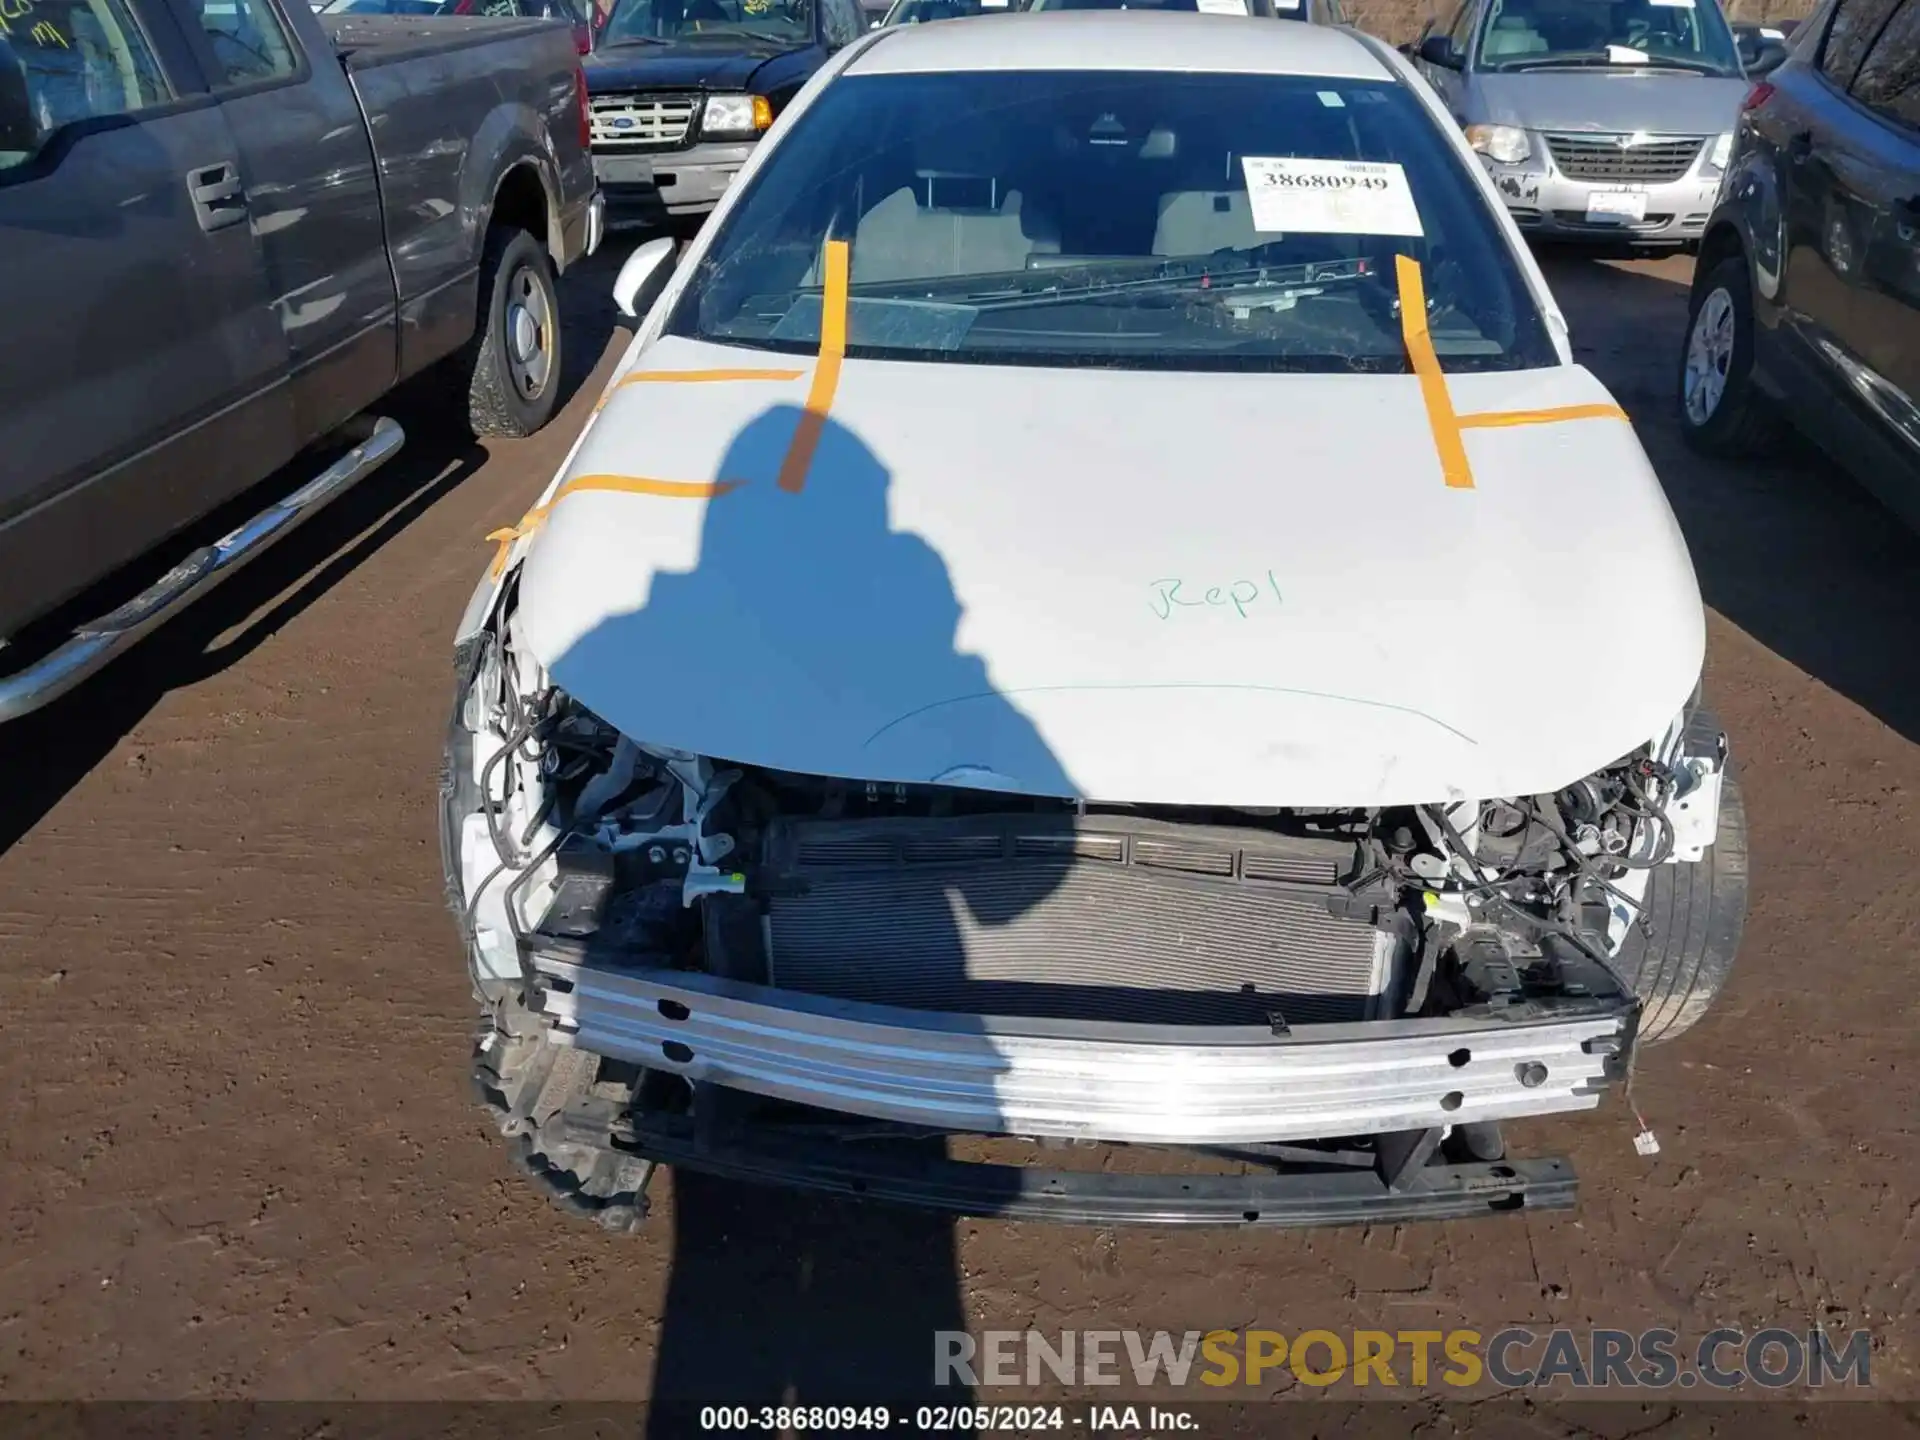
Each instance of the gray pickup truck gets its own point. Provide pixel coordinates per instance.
(229, 229)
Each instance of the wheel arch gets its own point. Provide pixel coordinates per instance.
(1722, 241)
(524, 199)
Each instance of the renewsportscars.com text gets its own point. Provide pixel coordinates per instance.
(1513, 1358)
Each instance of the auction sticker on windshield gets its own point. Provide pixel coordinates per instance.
(1329, 197)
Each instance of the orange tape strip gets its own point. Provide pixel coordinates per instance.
(642, 485)
(1433, 380)
(691, 377)
(806, 436)
(702, 377)
(826, 372)
(1500, 419)
(616, 484)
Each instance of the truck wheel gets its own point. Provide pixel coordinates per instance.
(1721, 411)
(1696, 910)
(514, 357)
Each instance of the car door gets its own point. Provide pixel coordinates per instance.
(137, 377)
(1812, 127)
(1883, 324)
(312, 197)
(1450, 81)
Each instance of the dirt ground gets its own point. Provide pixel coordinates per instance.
(239, 1157)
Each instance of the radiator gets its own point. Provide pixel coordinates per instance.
(1071, 919)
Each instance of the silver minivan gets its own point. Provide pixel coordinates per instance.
(1598, 119)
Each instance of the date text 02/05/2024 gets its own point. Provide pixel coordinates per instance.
(939, 1419)
(1235, 595)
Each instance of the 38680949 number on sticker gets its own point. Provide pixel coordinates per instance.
(1329, 197)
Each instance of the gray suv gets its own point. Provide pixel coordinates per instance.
(1598, 119)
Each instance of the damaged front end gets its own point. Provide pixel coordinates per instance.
(825, 982)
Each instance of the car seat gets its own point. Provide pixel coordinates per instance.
(1199, 222)
(903, 238)
(1512, 35)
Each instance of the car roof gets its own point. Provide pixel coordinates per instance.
(1120, 40)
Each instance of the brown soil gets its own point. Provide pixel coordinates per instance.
(240, 1158)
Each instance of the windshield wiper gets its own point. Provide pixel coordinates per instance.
(1600, 59)
(1076, 280)
(1269, 280)
(633, 40)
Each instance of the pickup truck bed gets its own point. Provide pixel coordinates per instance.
(261, 223)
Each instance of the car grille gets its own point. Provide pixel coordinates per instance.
(634, 121)
(1618, 158)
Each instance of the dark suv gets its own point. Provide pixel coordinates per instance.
(1806, 299)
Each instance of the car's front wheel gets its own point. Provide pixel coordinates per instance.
(1695, 912)
(1721, 410)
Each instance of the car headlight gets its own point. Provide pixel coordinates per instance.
(1721, 153)
(741, 116)
(1506, 143)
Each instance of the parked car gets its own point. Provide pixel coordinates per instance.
(1017, 651)
(919, 12)
(574, 12)
(259, 223)
(1806, 297)
(682, 90)
(1319, 12)
(1597, 120)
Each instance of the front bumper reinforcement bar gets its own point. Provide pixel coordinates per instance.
(1333, 1195)
(1141, 1084)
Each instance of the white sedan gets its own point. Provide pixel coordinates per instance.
(1096, 606)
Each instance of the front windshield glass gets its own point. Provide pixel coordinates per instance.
(1157, 220)
(1683, 34)
(917, 12)
(1211, 7)
(386, 7)
(779, 22)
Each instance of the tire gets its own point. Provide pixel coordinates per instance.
(1697, 911)
(1738, 420)
(512, 364)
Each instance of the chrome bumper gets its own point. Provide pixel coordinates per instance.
(596, 221)
(1145, 1084)
(639, 188)
(1545, 202)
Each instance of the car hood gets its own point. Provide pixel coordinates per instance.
(677, 67)
(1665, 102)
(1129, 586)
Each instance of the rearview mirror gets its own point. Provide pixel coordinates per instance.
(19, 126)
(635, 288)
(1438, 50)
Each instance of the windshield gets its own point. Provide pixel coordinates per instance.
(916, 12)
(1210, 7)
(1157, 220)
(777, 22)
(1683, 34)
(386, 7)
